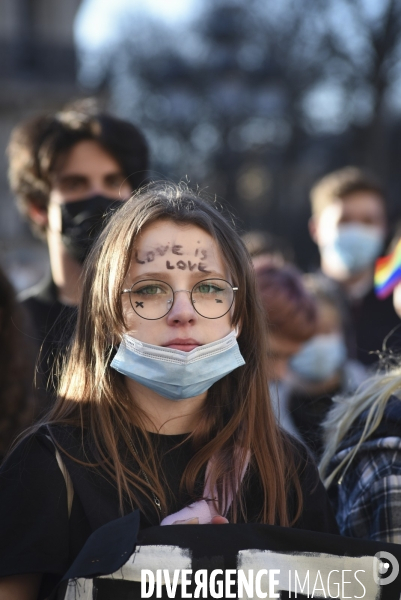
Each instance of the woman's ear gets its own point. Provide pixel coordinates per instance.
(37, 214)
(312, 227)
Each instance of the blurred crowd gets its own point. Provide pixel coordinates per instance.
(334, 334)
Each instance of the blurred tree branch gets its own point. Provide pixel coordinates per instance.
(243, 97)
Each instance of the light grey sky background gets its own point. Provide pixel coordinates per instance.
(97, 22)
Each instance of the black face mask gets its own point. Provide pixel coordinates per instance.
(82, 221)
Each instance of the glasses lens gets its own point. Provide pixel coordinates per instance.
(151, 299)
(212, 298)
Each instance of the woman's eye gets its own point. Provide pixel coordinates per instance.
(208, 289)
(150, 290)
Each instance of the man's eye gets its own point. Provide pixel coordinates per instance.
(72, 185)
(115, 182)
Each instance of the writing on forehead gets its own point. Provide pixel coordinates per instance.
(148, 256)
(189, 265)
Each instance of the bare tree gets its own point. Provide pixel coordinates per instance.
(364, 45)
(256, 100)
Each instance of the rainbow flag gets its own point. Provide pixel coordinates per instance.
(388, 273)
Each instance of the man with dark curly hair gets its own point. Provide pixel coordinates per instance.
(68, 171)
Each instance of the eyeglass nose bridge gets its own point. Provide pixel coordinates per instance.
(171, 302)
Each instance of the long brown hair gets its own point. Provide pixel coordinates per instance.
(236, 419)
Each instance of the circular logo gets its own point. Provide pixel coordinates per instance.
(387, 570)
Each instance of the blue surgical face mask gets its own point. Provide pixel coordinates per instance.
(354, 248)
(320, 358)
(175, 374)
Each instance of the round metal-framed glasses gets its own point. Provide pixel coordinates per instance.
(153, 299)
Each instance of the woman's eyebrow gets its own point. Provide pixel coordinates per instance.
(194, 275)
(153, 275)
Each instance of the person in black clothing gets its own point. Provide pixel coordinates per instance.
(68, 171)
(349, 225)
(18, 404)
(164, 403)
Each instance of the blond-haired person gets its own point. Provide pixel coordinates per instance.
(361, 465)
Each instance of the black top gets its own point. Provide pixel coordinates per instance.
(36, 534)
(53, 324)
(373, 321)
(308, 411)
(367, 322)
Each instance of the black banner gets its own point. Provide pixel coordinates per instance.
(229, 561)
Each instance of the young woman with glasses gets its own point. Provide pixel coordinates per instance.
(163, 404)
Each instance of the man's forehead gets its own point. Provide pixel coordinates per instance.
(355, 207)
(82, 171)
(366, 202)
(82, 158)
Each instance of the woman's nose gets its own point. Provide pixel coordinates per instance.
(182, 310)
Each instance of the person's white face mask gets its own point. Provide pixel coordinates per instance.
(320, 358)
(175, 374)
(353, 248)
